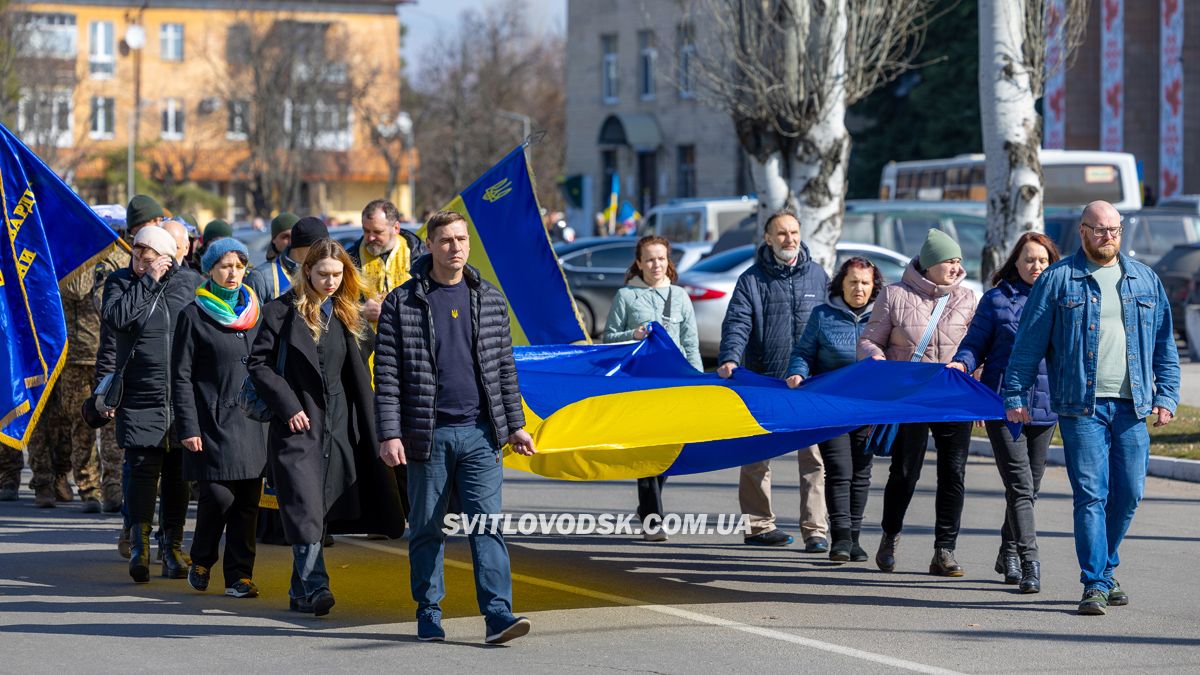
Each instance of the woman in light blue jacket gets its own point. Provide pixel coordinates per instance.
(649, 295)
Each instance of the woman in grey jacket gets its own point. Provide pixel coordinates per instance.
(648, 295)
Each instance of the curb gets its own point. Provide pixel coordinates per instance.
(1161, 467)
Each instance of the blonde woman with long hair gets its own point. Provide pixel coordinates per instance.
(308, 364)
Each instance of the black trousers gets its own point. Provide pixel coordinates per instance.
(228, 507)
(1022, 463)
(650, 496)
(847, 478)
(952, 440)
(148, 467)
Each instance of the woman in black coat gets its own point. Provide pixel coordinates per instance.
(141, 306)
(227, 451)
(321, 444)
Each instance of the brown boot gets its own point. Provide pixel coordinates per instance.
(43, 498)
(62, 489)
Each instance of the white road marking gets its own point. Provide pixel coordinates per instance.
(687, 614)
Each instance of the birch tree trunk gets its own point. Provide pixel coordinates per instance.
(771, 185)
(1011, 130)
(819, 176)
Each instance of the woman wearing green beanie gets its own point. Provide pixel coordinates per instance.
(929, 300)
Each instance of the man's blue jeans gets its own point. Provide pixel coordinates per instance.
(1106, 455)
(466, 459)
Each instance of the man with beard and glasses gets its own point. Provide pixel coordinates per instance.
(766, 317)
(1102, 322)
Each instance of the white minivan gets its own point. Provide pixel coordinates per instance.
(684, 220)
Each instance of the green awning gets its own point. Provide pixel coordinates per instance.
(638, 130)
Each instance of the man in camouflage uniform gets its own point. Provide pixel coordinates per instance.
(11, 463)
(62, 440)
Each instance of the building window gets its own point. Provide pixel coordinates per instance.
(237, 44)
(239, 120)
(101, 51)
(44, 118)
(170, 41)
(610, 84)
(687, 54)
(320, 125)
(647, 62)
(686, 165)
(103, 116)
(172, 119)
(49, 35)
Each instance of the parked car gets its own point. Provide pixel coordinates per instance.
(706, 219)
(595, 268)
(1190, 203)
(710, 283)
(1179, 270)
(1148, 235)
(902, 225)
(256, 242)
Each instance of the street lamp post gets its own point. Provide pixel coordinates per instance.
(135, 39)
(525, 120)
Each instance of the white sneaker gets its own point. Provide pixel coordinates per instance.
(656, 536)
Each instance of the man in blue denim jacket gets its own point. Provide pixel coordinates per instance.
(1102, 322)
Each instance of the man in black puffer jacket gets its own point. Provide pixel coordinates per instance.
(446, 399)
(766, 316)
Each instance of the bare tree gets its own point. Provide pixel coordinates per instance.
(1012, 74)
(785, 71)
(287, 86)
(494, 62)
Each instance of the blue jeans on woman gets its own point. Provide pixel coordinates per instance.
(1106, 455)
(466, 459)
(308, 571)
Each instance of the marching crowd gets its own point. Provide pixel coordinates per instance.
(372, 386)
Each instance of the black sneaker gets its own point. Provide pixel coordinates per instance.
(322, 602)
(816, 545)
(198, 577)
(1116, 596)
(244, 588)
(300, 605)
(770, 538)
(1094, 603)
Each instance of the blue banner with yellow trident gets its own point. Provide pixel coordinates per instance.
(510, 248)
(49, 232)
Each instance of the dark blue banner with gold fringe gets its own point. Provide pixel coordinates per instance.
(49, 233)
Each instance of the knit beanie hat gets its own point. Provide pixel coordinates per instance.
(283, 222)
(938, 247)
(156, 239)
(142, 209)
(216, 229)
(308, 231)
(218, 249)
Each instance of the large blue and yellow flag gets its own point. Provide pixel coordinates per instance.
(49, 233)
(632, 410)
(511, 249)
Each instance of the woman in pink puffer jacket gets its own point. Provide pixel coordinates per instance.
(902, 312)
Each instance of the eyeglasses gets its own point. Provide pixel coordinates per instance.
(1104, 232)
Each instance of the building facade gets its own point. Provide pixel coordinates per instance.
(633, 110)
(1126, 91)
(270, 105)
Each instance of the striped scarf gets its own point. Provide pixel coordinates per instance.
(224, 314)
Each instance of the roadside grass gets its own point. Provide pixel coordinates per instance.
(1180, 438)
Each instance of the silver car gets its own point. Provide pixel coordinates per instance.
(710, 283)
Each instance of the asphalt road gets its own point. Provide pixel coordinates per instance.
(702, 603)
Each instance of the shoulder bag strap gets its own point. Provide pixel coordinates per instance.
(929, 329)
